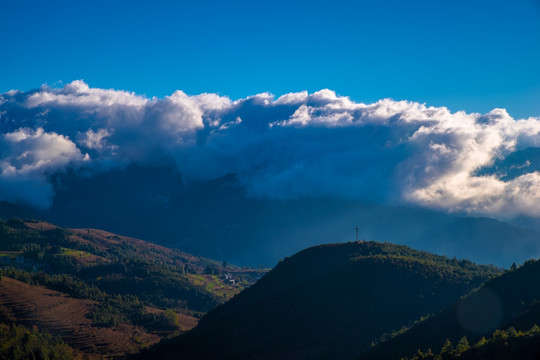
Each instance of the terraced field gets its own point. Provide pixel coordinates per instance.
(65, 316)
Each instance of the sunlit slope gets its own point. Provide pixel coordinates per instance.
(106, 283)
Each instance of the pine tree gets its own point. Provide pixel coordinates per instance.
(481, 342)
(463, 345)
(419, 355)
(447, 350)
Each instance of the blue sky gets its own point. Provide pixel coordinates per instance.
(470, 55)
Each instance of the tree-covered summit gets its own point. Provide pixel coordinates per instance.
(329, 301)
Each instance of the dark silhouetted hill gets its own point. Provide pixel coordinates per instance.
(328, 301)
(511, 300)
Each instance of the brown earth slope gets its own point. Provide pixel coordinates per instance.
(104, 240)
(65, 316)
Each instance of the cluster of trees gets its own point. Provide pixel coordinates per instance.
(60, 282)
(463, 267)
(156, 284)
(114, 310)
(503, 344)
(43, 246)
(16, 236)
(111, 310)
(19, 343)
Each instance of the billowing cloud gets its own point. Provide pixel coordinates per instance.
(27, 157)
(297, 145)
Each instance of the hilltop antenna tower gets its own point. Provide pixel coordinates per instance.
(356, 228)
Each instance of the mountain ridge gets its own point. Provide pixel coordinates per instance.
(219, 218)
(328, 301)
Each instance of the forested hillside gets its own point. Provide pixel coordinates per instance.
(510, 301)
(20, 343)
(329, 301)
(141, 290)
(502, 345)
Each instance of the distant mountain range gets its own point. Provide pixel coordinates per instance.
(218, 219)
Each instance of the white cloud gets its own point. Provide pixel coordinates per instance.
(27, 157)
(177, 114)
(292, 98)
(96, 140)
(28, 151)
(301, 144)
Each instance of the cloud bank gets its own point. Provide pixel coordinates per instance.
(297, 145)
